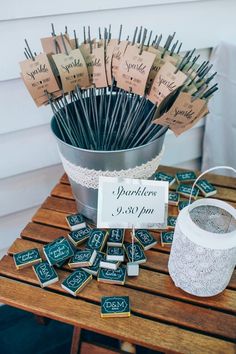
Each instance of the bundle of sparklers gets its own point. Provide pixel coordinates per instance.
(112, 94)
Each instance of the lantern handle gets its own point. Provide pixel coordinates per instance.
(203, 173)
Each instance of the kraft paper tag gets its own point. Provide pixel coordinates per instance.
(72, 69)
(38, 76)
(157, 64)
(49, 44)
(99, 69)
(134, 70)
(117, 55)
(73, 44)
(184, 113)
(171, 59)
(165, 82)
(108, 59)
(88, 57)
(44, 99)
(38, 101)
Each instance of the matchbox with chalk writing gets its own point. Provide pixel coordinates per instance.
(162, 176)
(58, 251)
(185, 177)
(82, 258)
(145, 239)
(27, 258)
(97, 239)
(45, 273)
(206, 188)
(185, 191)
(76, 281)
(115, 237)
(183, 204)
(93, 269)
(171, 222)
(167, 238)
(112, 276)
(75, 222)
(173, 198)
(115, 254)
(115, 306)
(79, 236)
(138, 256)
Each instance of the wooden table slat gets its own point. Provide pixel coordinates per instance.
(153, 306)
(42, 233)
(77, 312)
(156, 283)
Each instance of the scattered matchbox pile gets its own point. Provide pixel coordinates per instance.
(93, 259)
(108, 266)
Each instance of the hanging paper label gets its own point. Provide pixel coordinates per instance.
(50, 44)
(88, 57)
(44, 99)
(134, 70)
(38, 76)
(99, 70)
(184, 113)
(171, 59)
(108, 59)
(127, 202)
(117, 55)
(165, 82)
(73, 44)
(157, 64)
(72, 69)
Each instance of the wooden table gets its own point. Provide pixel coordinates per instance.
(164, 318)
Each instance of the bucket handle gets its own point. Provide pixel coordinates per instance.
(203, 173)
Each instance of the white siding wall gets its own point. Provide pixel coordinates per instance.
(29, 161)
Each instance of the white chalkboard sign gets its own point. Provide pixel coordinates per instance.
(126, 202)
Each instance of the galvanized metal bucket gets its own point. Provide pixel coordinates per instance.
(86, 198)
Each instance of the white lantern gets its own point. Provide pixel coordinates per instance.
(203, 253)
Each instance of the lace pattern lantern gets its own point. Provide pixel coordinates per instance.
(203, 253)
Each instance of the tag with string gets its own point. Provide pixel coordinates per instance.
(134, 70)
(166, 81)
(108, 59)
(157, 64)
(86, 50)
(38, 76)
(99, 70)
(117, 55)
(72, 69)
(54, 44)
(44, 99)
(184, 113)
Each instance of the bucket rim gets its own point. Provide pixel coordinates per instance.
(203, 237)
(103, 151)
